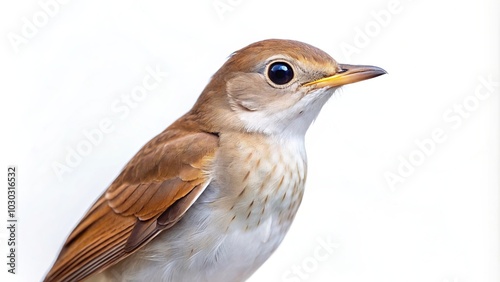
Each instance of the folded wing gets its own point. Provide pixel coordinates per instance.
(150, 195)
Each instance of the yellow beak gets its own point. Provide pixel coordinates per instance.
(348, 74)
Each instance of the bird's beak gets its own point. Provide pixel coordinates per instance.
(348, 74)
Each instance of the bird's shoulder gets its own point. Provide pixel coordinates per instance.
(151, 194)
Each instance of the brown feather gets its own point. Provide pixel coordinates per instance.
(161, 182)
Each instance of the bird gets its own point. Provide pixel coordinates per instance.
(212, 196)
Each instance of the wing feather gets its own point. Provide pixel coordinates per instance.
(151, 194)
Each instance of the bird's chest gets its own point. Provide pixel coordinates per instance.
(261, 183)
(241, 217)
(259, 190)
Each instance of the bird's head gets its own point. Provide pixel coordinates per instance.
(275, 87)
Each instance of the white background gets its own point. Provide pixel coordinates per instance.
(440, 225)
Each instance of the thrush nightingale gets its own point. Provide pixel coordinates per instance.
(212, 196)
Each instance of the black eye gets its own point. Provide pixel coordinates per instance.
(280, 73)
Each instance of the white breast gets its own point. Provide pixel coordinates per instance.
(235, 225)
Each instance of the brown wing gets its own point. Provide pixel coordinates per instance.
(150, 195)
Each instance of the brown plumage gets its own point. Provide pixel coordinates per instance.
(233, 168)
(151, 194)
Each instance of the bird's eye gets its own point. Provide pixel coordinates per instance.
(280, 73)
